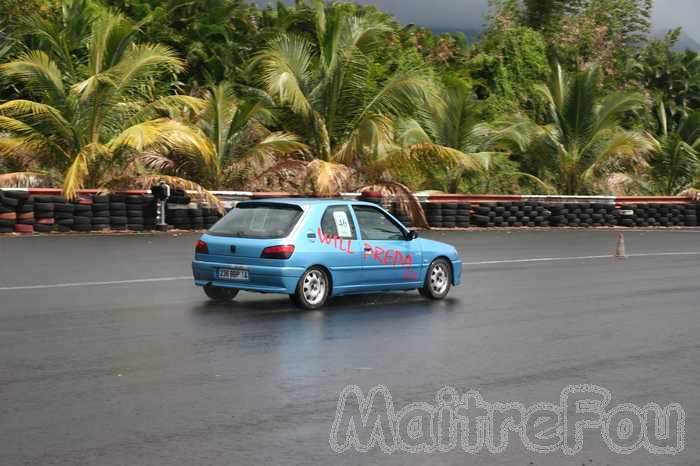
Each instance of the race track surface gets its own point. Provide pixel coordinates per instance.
(110, 356)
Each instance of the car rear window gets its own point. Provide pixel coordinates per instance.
(260, 221)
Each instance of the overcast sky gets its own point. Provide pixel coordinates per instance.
(468, 14)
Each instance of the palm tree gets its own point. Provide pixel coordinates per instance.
(235, 130)
(87, 121)
(324, 81)
(582, 139)
(675, 164)
(441, 141)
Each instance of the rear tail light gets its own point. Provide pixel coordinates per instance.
(201, 247)
(278, 252)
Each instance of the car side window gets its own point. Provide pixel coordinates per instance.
(376, 225)
(337, 222)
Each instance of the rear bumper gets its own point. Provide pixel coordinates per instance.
(261, 278)
(456, 272)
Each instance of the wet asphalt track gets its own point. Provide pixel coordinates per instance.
(149, 373)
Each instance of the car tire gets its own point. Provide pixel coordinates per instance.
(219, 294)
(313, 289)
(438, 280)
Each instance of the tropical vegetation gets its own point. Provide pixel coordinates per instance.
(553, 96)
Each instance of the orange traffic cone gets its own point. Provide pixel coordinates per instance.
(620, 252)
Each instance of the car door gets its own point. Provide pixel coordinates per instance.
(389, 258)
(340, 249)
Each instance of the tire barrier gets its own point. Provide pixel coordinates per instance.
(44, 212)
(41, 210)
(16, 212)
(210, 217)
(135, 217)
(24, 212)
(8, 212)
(177, 210)
(100, 212)
(582, 214)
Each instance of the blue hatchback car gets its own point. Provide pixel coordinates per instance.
(312, 249)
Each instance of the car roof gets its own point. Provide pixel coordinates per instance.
(309, 201)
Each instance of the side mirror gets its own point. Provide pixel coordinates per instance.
(412, 235)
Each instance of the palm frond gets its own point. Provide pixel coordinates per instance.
(110, 37)
(691, 193)
(285, 68)
(168, 106)
(614, 106)
(24, 180)
(35, 113)
(630, 147)
(279, 143)
(28, 137)
(403, 92)
(370, 135)
(39, 74)
(446, 155)
(167, 135)
(156, 161)
(404, 198)
(74, 177)
(327, 178)
(142, 62)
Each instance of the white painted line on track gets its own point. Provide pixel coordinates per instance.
(464, 264)
(577, 258)
(79, 284)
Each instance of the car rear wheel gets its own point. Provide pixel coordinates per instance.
(313, 289)
(438, 280)
(217, 293)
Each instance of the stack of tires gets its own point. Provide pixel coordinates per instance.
(135, 206)
(100, 212)
(657, 215)
(691, 215)
(83, 215)
(580, 215)
(511, 214)
(8, 213)
(150, 212)
(486, 213)
(449, 215)
(558, 215)
(196, 217)
(25, 211)
(463, 215)
(604, 215)
(44, 213)
(583, 215)
(211, 216)
(177, 211)
(118, 219)
(433, 212)
(63, 215)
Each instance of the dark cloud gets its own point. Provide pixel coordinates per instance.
(469, 14)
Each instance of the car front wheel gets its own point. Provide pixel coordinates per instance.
(313, 289)
(217, 293)
(438, 280)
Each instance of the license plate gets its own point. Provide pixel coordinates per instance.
(233, 274)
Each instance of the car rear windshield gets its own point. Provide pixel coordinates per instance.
(257, 220)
